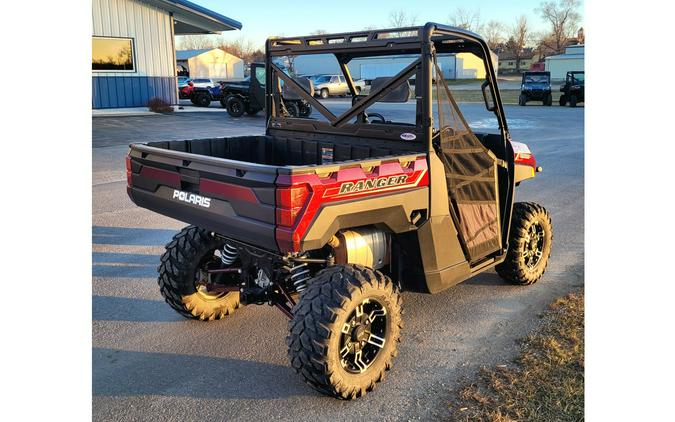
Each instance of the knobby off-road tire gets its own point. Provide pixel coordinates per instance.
(521, 265)
(203, 100)
(293, 109)
(521, 100)
(573, 100)
(191, 248)
(321, 324)
(235, 106)
(563, 100)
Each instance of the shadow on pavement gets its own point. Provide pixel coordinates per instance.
(113, 308)
(488, 279)
(111, 264)
(124, 373)
(130, 236)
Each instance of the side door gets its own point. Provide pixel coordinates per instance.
(344, 88)
(257, 87)
(334, 86)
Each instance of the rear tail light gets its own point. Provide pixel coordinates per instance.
(128, 166)
(291, 201)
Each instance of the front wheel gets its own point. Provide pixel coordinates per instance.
(182, 280)
(549, 100)
(562, 101)
(305, 110)
(573, 100)
(345, 330)
(324, 93)
(521, 100)
(530, 240)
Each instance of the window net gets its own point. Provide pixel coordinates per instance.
(471, 175)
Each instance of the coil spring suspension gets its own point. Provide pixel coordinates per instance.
(229, 254)
(299, 274)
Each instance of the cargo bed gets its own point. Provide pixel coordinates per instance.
(229, 185)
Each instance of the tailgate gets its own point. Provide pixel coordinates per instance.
(233, 198)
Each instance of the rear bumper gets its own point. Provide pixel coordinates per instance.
(220, 217)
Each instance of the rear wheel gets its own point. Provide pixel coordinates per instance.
(182, 279)
(293, 109)
(358, 90)
(203, 100)
(235, 107)
(530, 240)
(573, 100)
(345, 330)
(563, 100)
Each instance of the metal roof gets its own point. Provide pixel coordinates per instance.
(192, 18)
(186, 54)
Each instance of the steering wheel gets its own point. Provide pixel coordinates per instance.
(376, 115)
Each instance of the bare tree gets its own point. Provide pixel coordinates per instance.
(493, 32)
(564, 20)
(401, 18)
(196, 42)
(466, 19)
(318, 32)
(519, 38)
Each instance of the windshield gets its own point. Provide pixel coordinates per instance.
(322, 79)
(536, 79)
(578, 77)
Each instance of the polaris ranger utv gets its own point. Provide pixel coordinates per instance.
(536, 86)
(249, 96)
(573, 89)
(330, 218)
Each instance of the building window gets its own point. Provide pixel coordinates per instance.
(510, 63)
(112, 54)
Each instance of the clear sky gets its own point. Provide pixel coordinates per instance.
(261, 19)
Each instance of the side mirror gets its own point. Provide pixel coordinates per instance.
(487, 96)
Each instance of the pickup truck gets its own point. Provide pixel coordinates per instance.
(327, 85)
(329, 219)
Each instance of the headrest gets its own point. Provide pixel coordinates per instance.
(290, 94)
(400, 94)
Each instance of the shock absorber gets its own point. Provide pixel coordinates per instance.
(229, 254)
(299, 274)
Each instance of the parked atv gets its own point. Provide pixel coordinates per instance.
(331, 219)
(536, 86)
(249, 96)
(573, 89)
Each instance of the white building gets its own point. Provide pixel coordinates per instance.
(571, 60)
(212, 63)
(133, 52)
(453, 66)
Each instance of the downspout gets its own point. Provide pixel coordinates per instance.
(173, 50)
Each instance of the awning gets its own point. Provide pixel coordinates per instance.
(191, 18)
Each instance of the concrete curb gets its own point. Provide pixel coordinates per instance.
(143, 111)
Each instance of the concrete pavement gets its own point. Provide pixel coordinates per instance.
(150, 364)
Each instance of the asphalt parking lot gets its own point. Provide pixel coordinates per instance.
(151, 364)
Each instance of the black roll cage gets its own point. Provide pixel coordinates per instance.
(427, 41)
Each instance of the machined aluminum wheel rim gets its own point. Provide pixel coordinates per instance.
(363, 336)
(534, 245)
